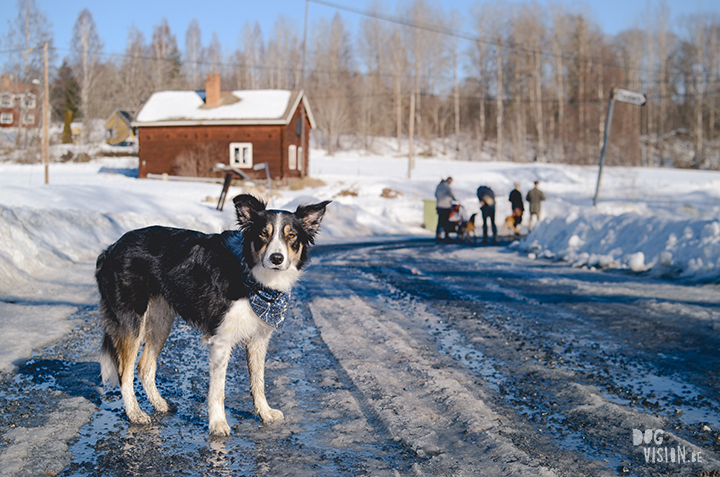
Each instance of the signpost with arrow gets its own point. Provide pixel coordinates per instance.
(624, 96)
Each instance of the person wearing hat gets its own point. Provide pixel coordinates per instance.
(518, 207)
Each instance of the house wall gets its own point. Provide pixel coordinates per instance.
(122, 130)
(16, 110)
(290, 137)
(193, 150)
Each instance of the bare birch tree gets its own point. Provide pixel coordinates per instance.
(496, 19)
(481, 56)
(167, 62)
(330, 79)
(559, 41)
(398, 56)
(86, 50)
(193, 54)
(135, 73)
(213, 55)
(529, 32)
(253, 49)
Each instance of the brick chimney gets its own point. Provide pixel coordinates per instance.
(5, 82)
(212, 90)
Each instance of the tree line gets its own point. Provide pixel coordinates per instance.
(518, 82)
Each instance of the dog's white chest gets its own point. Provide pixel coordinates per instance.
(240, 323)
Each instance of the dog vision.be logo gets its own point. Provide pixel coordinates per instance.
(656, 450)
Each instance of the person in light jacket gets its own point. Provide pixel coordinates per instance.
(535, 197)
(445, 197)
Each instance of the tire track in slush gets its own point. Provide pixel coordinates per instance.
(435, 410)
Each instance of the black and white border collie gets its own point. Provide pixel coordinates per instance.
(232, 286)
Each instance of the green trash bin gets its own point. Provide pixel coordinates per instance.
(430, 217)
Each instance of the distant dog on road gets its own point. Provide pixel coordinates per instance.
(509, 225)
(232, 286)
(467, 230)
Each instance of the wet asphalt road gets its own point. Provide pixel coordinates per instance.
(412, 358)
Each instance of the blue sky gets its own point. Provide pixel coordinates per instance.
(227, 18)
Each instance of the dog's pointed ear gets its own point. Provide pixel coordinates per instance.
(311, 216)
(246, 206)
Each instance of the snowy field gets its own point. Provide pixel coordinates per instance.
(660, 222)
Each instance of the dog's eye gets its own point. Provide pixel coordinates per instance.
(264, 234)
(291, 235)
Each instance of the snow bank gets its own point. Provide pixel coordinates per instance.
(670, 247)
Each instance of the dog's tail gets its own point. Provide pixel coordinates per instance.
(109, 362)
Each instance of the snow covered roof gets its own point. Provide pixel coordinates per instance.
(187, 108)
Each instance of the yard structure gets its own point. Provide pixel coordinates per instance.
(118, 129)
(187, 133)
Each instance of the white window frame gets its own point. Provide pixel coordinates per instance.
(29, 119)
(30, 101)
(6, 100)
(6, 118)
(292, 157)
(301, 158)
(243, 151)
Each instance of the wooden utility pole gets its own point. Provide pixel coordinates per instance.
(411, 133)
(46, 116)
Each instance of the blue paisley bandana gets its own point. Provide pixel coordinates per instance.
(269, 305)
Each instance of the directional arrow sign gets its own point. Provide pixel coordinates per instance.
(631, 97)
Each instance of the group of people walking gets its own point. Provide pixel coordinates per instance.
(445, 199)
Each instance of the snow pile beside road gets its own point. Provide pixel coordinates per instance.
(671, 247)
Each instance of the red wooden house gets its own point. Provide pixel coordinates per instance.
(18, 104)
(188, 132)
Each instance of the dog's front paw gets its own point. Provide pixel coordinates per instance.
(219, 429)
(164, 406)
(138, 417)
(271, 415)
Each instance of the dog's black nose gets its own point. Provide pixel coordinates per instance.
(277, 258)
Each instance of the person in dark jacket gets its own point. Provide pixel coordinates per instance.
(486, 196)
(534, 198)
(518, 207)
(445, 197)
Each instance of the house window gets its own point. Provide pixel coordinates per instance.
(241, 155)
(6, 118)
(109, 133)
(298, 126)
(29, 101)
(6, 101)
(292, 157)
(29, 119)
(301, 158)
